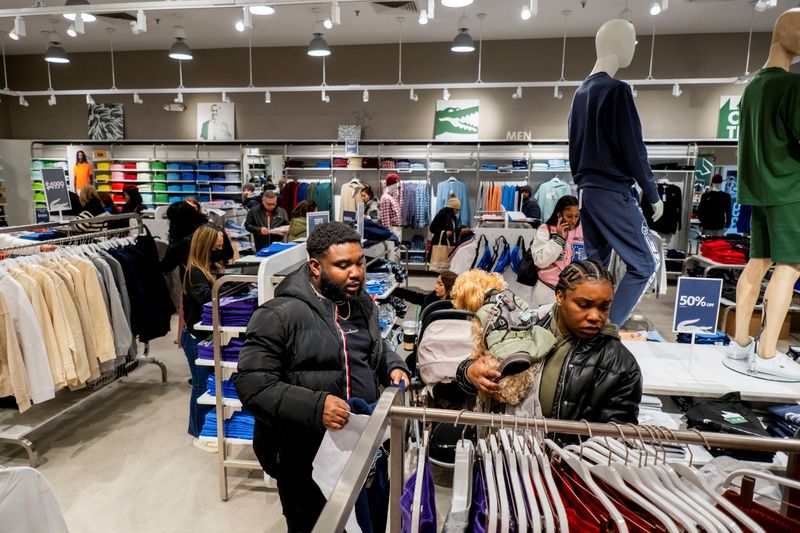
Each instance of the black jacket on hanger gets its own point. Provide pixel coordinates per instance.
(670, 222)
(714, 210)
(292, 359)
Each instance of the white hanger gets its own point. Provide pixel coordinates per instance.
(547, 477)
(582, 471)
(462, 476)
(491, 486)
(517, 491)
(416, 505)
(525, 461)
(452, 178)
(502, 492)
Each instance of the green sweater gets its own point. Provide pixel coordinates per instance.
(769, 139)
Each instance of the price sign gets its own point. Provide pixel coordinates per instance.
(55, 190)
(697, 305)
(315, 219)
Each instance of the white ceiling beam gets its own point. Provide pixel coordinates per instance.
(174, 5)
(360, 88)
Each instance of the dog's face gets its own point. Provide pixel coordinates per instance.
(470, 288)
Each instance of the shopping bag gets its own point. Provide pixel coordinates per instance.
(528, 273)
(440, 255)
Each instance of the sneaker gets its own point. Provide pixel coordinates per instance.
(205, 445)
(781, 366)
(737, 351)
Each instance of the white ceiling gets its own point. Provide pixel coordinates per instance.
(291, 25)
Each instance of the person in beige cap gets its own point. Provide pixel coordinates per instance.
(445, 226)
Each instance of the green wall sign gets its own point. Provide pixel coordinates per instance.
(728, 125)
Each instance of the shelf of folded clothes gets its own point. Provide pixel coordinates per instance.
(238, 429)
(207, 399)
(380, 285)
(225, 329)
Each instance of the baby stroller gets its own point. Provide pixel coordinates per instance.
(444, 341)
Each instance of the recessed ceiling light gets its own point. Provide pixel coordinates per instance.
(262, 10)
(456, 3)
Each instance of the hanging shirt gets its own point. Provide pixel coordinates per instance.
(714, 210)
(13, 376)
(606, 150)
(390, 210)
(548, 194)
(670, 221)
(769, 139)
(363, 383)
(459, 189)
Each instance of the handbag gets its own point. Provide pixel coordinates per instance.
(503, 255)
(516, 254)
(440, 255)
(487, 260)
(528, 273)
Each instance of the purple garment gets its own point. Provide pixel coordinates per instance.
(427, 515)
(233, 310)
(478, 509)
(230, 352)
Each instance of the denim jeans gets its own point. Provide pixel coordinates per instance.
(197, 413)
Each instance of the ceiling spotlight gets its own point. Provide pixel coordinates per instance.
(141, 21)
(55, 53)
(423, 17)
(634, 92)
(178, 99)
(71, 30)
(456, 3)
(247, 19)
(657, 6)
(89, 99)
(19, 29)
(52, 100)
(136, 98)
(365, 96)
(87, 17)
(22, 101)
(318, 47)
(267, 97)
(463, 41)
(239, 26)
(517, 94)
(225, 99)
(525, 14)
(676, 90)
(326, 98)
(180, 50)
(327, 23)
(763, 5)
(529, 10)
(414, 97)
(336, 13)
(262, 10)
(557, 93)
(446, 94)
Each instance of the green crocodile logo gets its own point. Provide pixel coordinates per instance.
(457, 120)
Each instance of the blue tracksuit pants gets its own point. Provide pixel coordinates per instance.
(613, 221)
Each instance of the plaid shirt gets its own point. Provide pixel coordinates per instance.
(390, 210)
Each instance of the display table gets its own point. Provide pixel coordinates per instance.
(673, 369)
(708, 264)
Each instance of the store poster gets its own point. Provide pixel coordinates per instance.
(697, 305)
(456, 120)
(215, 122)
(728, 124)
(106, 122)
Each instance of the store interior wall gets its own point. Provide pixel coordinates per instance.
(388, 115)
(15, 158)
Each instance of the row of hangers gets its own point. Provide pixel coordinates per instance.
(520, 481)
(79, 248)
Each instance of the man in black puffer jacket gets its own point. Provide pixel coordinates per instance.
(316, 344)
(589, 374)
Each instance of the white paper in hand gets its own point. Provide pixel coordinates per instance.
(335, 450)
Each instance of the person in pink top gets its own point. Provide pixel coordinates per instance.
(557, 243)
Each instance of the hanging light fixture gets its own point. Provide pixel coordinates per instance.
(55, 52)
(517, 94)
(86, 17)
(178, 99)
(325, 98)
(626, 14)
(658, 6)
(267, 97)
(19, 29)
(456, 3)
(529, 10)
(463, 42)
(180, 50)
(318, 47)
(137, 99)
(557, 93)
(262, 10)
(423, 17)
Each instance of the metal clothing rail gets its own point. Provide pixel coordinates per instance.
(390, 412)
(18, 433)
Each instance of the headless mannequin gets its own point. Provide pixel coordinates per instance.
(612, 215)
(784, 49)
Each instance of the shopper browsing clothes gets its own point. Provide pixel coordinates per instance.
(445, 226)
(588, 374)
(557, 243)
(441, 291)
(133, 200)
(250, 198)
(295, 372)
(530, 207)
(298, 227)
(204, 266)
(267, 222)
(91, 207)
(371, 209)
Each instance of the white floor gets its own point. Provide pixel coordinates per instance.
(123, 462)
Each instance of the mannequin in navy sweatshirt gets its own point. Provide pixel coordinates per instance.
(607, 157)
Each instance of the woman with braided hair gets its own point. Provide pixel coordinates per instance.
(588, 374)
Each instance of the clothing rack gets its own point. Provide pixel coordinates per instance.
(18, 433)
(391, 412)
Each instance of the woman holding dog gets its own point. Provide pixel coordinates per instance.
(557, 243)
(588, 374)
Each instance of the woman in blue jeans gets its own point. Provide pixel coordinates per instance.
(204, 266)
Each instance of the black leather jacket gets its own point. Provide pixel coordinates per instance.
(292, 358)
(599, 382)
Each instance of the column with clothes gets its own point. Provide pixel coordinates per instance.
(607, 157)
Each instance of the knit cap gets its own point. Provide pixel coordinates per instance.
(392, 178)
(453, 203)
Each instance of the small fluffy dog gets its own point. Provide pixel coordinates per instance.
(468, 293)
